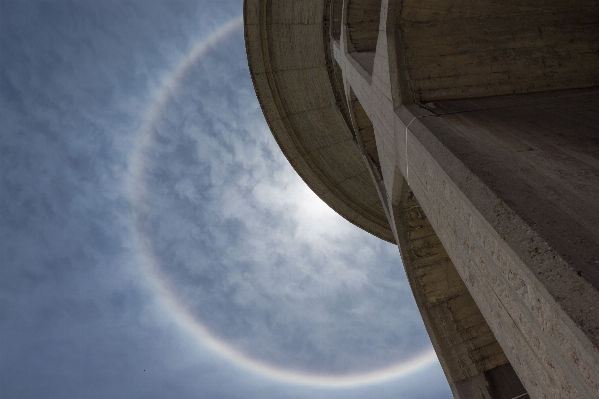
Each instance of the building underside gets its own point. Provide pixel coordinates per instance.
(467, 133)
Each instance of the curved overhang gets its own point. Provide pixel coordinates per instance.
(290, 64)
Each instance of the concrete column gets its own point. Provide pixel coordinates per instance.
(510, 187)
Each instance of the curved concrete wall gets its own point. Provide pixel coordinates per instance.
(286, 52)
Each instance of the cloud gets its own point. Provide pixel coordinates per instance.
(248, 248)
(252, 252)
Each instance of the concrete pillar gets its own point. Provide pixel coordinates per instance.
(505, 190)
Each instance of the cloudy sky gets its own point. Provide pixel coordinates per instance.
(155, 243)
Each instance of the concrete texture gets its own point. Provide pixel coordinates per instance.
(286, 53)
(493, 201)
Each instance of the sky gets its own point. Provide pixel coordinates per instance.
(154, 241)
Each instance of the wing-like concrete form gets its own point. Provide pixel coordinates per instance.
(290, 62)
(467, 133)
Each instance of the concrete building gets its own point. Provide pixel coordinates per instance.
(467, 132)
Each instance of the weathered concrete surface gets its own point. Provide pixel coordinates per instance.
(473, 360)
(286, 53)
(479, 48)
(494, 202)
(362, 21)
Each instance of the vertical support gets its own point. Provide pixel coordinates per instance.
(471, 357)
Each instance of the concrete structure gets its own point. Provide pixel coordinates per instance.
(467, 133)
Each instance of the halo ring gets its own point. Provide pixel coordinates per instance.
(159, 282)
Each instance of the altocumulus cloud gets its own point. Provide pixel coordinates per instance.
(247, 248)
